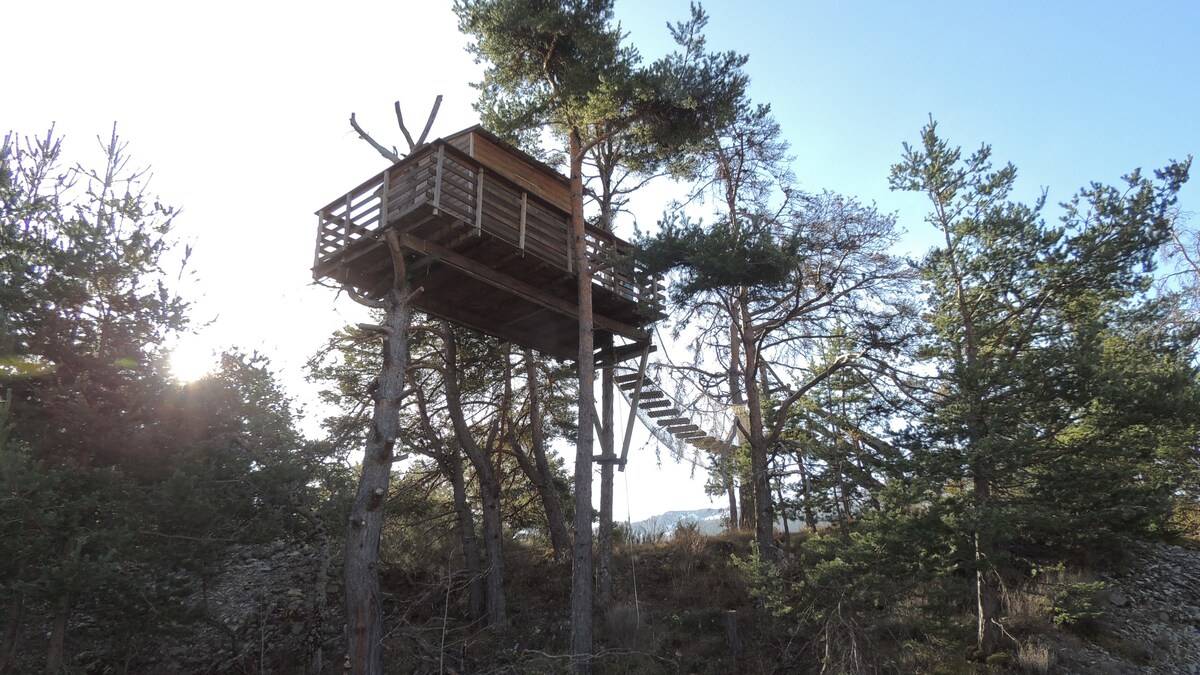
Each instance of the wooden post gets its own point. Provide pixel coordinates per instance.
(733, 640)
(604, 539)
(634, 399)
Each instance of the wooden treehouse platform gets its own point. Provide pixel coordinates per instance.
(485, 231)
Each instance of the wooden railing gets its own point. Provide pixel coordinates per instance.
(455, 185)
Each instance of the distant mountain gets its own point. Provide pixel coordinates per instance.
(664, 524)
(711, 521)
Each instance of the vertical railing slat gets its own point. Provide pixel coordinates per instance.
(437, 180)
(479, 202)
(346, 222)
(524, 212)
(383, 199)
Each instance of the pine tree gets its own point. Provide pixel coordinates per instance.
(1025, 321)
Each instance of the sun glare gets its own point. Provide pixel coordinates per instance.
(190, 362)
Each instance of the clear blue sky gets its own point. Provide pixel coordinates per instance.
(1069, 92)
(241, 109)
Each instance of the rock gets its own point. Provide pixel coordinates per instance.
(1118, 599)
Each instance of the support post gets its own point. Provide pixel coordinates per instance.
(364, 601)
(634, 399)
(604, 544)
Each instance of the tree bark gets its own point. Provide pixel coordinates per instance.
(466, 534)
(581, 551)
(542, 476)
(58, 627)
(987, 595)
(764, 513)
(364, 601)
(489, 485)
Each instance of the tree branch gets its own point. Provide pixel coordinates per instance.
(390, 155)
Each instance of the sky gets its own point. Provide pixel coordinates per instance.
(241, 111)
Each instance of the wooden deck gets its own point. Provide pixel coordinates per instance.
(488, 253)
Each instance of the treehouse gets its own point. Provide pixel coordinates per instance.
(485, 233)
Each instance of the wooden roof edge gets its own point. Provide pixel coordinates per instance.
(537, 163)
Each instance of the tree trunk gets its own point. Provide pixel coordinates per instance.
(466, 534)
(735, 399)
(58, 627)
(489, 485)
(987, 595)
(604, 543)
(764, 520)
(58, 636)
(543, 477)
(581, 551)
(731, 491)
(810, 516)
(746, 493)
(493, 546)
(364, 602)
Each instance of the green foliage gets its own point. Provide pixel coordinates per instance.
(719, 257)
(119, 488)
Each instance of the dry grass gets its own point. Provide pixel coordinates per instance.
(1035, 658)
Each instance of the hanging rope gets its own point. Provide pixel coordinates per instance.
(637, 609)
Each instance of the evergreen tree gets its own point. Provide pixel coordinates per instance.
(1039, 336)
(563, 65)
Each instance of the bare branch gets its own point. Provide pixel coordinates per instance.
(390, 155)
(403, 129)
(437, 103)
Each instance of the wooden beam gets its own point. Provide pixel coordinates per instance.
(633, 405)
(654, 404)
(672, 412)
(500, 280)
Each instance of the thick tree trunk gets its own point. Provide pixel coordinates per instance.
(540, 473)
(489, 485)
(764, 513)
(493, 546)
(746, 494)
(364, 602)
(604, 540)
(58, 637)
(466, 534)
(581, 551)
